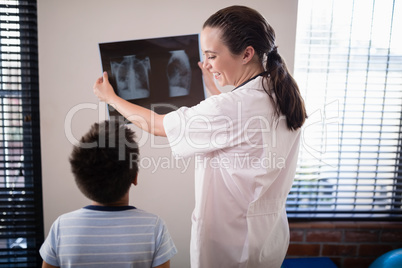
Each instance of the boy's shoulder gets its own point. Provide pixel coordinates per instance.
(109, 212)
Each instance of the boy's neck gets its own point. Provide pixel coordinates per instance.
(124, 201)
(116, 204)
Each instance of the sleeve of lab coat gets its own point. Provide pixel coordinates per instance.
(200, 129)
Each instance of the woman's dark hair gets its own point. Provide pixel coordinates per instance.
(242, 27)
(105, 162)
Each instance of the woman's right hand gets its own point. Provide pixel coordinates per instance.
(104, 90)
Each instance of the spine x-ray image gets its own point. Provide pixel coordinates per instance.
(179, 73)
(132, 77)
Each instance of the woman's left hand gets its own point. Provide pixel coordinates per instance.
(209, 80)
(104, 90)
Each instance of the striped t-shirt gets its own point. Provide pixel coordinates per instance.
(97, 236)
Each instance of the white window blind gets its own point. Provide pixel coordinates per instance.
(349, 69)
(21, 216)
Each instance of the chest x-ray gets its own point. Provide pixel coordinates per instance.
(132, 77)
(158, 73)
(179, 73)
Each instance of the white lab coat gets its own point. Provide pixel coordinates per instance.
(245, 162)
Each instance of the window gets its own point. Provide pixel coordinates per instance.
(349, 69)
(21, 218)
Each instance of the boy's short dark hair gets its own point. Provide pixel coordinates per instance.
(105, 162)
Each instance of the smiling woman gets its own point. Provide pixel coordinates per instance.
(239, 219)
(228, 69)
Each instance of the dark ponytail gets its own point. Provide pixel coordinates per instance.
(288, 99)
(242, 27)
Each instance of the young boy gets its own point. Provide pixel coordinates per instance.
(108, 233)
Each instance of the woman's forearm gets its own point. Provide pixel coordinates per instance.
(142, 117)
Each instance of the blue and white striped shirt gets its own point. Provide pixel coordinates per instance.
(97, 236)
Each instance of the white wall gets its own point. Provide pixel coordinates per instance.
(69, 63)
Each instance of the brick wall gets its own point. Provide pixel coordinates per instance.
(347, 244)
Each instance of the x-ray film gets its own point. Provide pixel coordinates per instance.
(161, 74)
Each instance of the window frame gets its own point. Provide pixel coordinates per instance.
(303, 207)
(21, 192)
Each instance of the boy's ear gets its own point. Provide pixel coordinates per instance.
(135, 179)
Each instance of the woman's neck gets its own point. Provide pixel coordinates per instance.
(250, 70)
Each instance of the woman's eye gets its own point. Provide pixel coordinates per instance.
(211, 57)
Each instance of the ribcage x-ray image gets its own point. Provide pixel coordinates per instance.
(160, 73)
(132, 76)
(179, 73)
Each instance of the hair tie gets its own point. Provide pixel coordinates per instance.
(274, 50)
